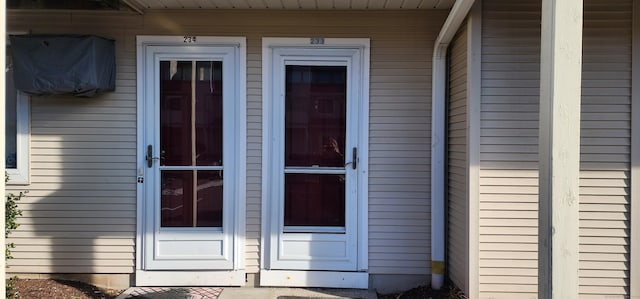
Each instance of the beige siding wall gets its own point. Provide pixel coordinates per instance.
(509, 184)
(80, 215)
(80, 212)
(605, 149)
(509, 149)
(457, 163)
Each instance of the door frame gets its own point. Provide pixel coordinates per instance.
(235, 276)
(307, 278)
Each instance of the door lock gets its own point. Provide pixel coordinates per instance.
(354, 157)
(149, 157)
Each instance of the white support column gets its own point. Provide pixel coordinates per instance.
(560, 81)
(3, 54)
(634, 279)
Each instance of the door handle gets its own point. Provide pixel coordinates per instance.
(354, 165)
(354, 162)
(149, 157)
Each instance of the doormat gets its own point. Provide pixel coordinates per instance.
(170, 293)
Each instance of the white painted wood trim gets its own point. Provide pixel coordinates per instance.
(271, 42)
(268, 45)
(634, 248)
(240, 129)
(267, 102)
(474, 97)
(239, 240)
(140, 125)
(160, 40)
(3, 63)
(560, 96)
(363, 159)
(190, 278)
(320, 279)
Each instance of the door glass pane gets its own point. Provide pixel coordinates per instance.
(315, 115)
(184, 204)
(315, 135)
(175, 113)
(191, 137)
(191, 113)
(209, 113)
(209, 202)
(314, 200)
(177, 203)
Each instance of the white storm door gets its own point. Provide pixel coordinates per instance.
(190, 155)
(314, 209)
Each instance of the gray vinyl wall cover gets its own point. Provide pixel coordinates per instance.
(81, 65)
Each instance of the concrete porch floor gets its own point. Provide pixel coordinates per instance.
(242, 293)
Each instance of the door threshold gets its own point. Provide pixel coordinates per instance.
(190, 278)
(319, 279)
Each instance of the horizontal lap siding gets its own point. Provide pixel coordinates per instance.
(509, 149)
(457, 234)
(401, 50)
(80, 212)
(605, 149)
(399, 137)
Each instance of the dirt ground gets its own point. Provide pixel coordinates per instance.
(65, 289)
(61, 289)
(425, 292)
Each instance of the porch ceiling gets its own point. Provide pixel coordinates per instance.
(142, 5)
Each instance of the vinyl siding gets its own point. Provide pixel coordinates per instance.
(82, 196)
(605, 151)
(457, 163)
(508, 208)
(509, 173)
(79, 215)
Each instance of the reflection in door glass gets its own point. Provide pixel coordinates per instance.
(315, 136)
(191, 139)
(315, 115)
(314, 200)
(185, 204)
(191, 113)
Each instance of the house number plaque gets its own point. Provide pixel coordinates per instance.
(317, 41)
(189, 39)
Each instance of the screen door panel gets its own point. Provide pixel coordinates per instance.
(316, 227)
(190, 223)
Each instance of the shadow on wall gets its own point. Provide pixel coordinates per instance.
(80, 214)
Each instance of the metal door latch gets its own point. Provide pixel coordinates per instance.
(354, 162)
(149, 157)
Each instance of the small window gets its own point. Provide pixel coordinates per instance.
(16, 129)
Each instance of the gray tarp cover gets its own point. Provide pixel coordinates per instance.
(82, 65)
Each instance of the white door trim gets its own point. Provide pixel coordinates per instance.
(236, 275)
(268, 46)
